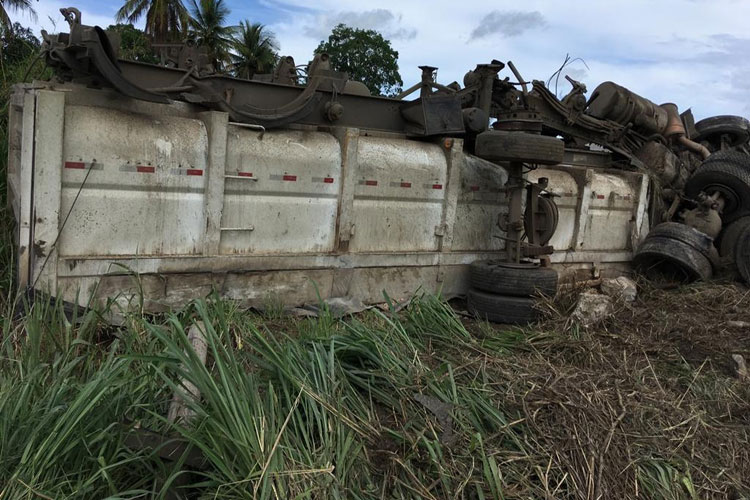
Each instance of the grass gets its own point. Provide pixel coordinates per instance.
(408, 404)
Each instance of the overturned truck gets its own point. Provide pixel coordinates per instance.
(152, 185)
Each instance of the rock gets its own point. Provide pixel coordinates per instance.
(621, 288)
(592, 308)
(738, 324)
(741, 367)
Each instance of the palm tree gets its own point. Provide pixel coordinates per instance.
(165, 19)
(207, 28)
(16, 5)
(255, 50)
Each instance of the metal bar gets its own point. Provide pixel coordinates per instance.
(369, 112)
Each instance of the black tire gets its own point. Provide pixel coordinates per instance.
(689, 235)
(501, 145)
(729, 237)
(742, 255)
(501, 308)
(732, 181)
(736, 128)
(739, 158)
(662, 258)
(518, 280)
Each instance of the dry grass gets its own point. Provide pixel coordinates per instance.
(646, 405)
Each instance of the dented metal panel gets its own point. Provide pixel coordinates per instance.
(398, 196)
(137, 180)
(481, 203)
(611, 212)
(281, 192)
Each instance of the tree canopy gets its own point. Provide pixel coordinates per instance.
(17, 44)
(208, 28)
(15, 5)
(366, 56)
(134, 44)
(254, 51)
(165, 19)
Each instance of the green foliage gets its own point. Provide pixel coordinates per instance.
(17, 6)
(315, 408)
(165, 19)
(207, 29)
(255, 50)
(18, 60)
(17, 44)
(366, 56)
(134, 44)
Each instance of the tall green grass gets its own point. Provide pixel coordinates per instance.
(326, 409)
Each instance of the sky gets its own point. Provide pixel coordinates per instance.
(695, 53)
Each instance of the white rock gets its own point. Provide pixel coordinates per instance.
(621, 288)
(592, 308)
(741, 366)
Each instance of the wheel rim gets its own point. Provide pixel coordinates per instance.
(548, 215)
(729, 195)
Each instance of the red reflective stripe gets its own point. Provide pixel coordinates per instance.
(143, 169)
(328, 180)
(437, 186)
(406, 184)
(245, 174)
(194, 171)
(371, 183)
(474, 188)
(600, 196)
(292, 178)
(75, 164)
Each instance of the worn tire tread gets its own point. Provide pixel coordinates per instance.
(489, 276)
(501, 145)
(729, 174)
(501, 308)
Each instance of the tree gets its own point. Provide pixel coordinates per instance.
(165, 19)
(17, 44)
(208, 29)
(255, 50)
(16, 5)
(134, 44)
(366, 56)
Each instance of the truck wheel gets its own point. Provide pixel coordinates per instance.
(500, 145)
(742, 254)
(506, 278)
(731, 181)
(661, 258)
(735, 128)
(729, 237)
(739, 158)
(501, 308)
(689, 235)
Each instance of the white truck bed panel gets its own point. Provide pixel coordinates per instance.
(167, 202)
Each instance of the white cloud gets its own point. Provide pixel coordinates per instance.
(381, 20)
(508, 23)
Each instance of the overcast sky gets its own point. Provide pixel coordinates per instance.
(695, 53)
